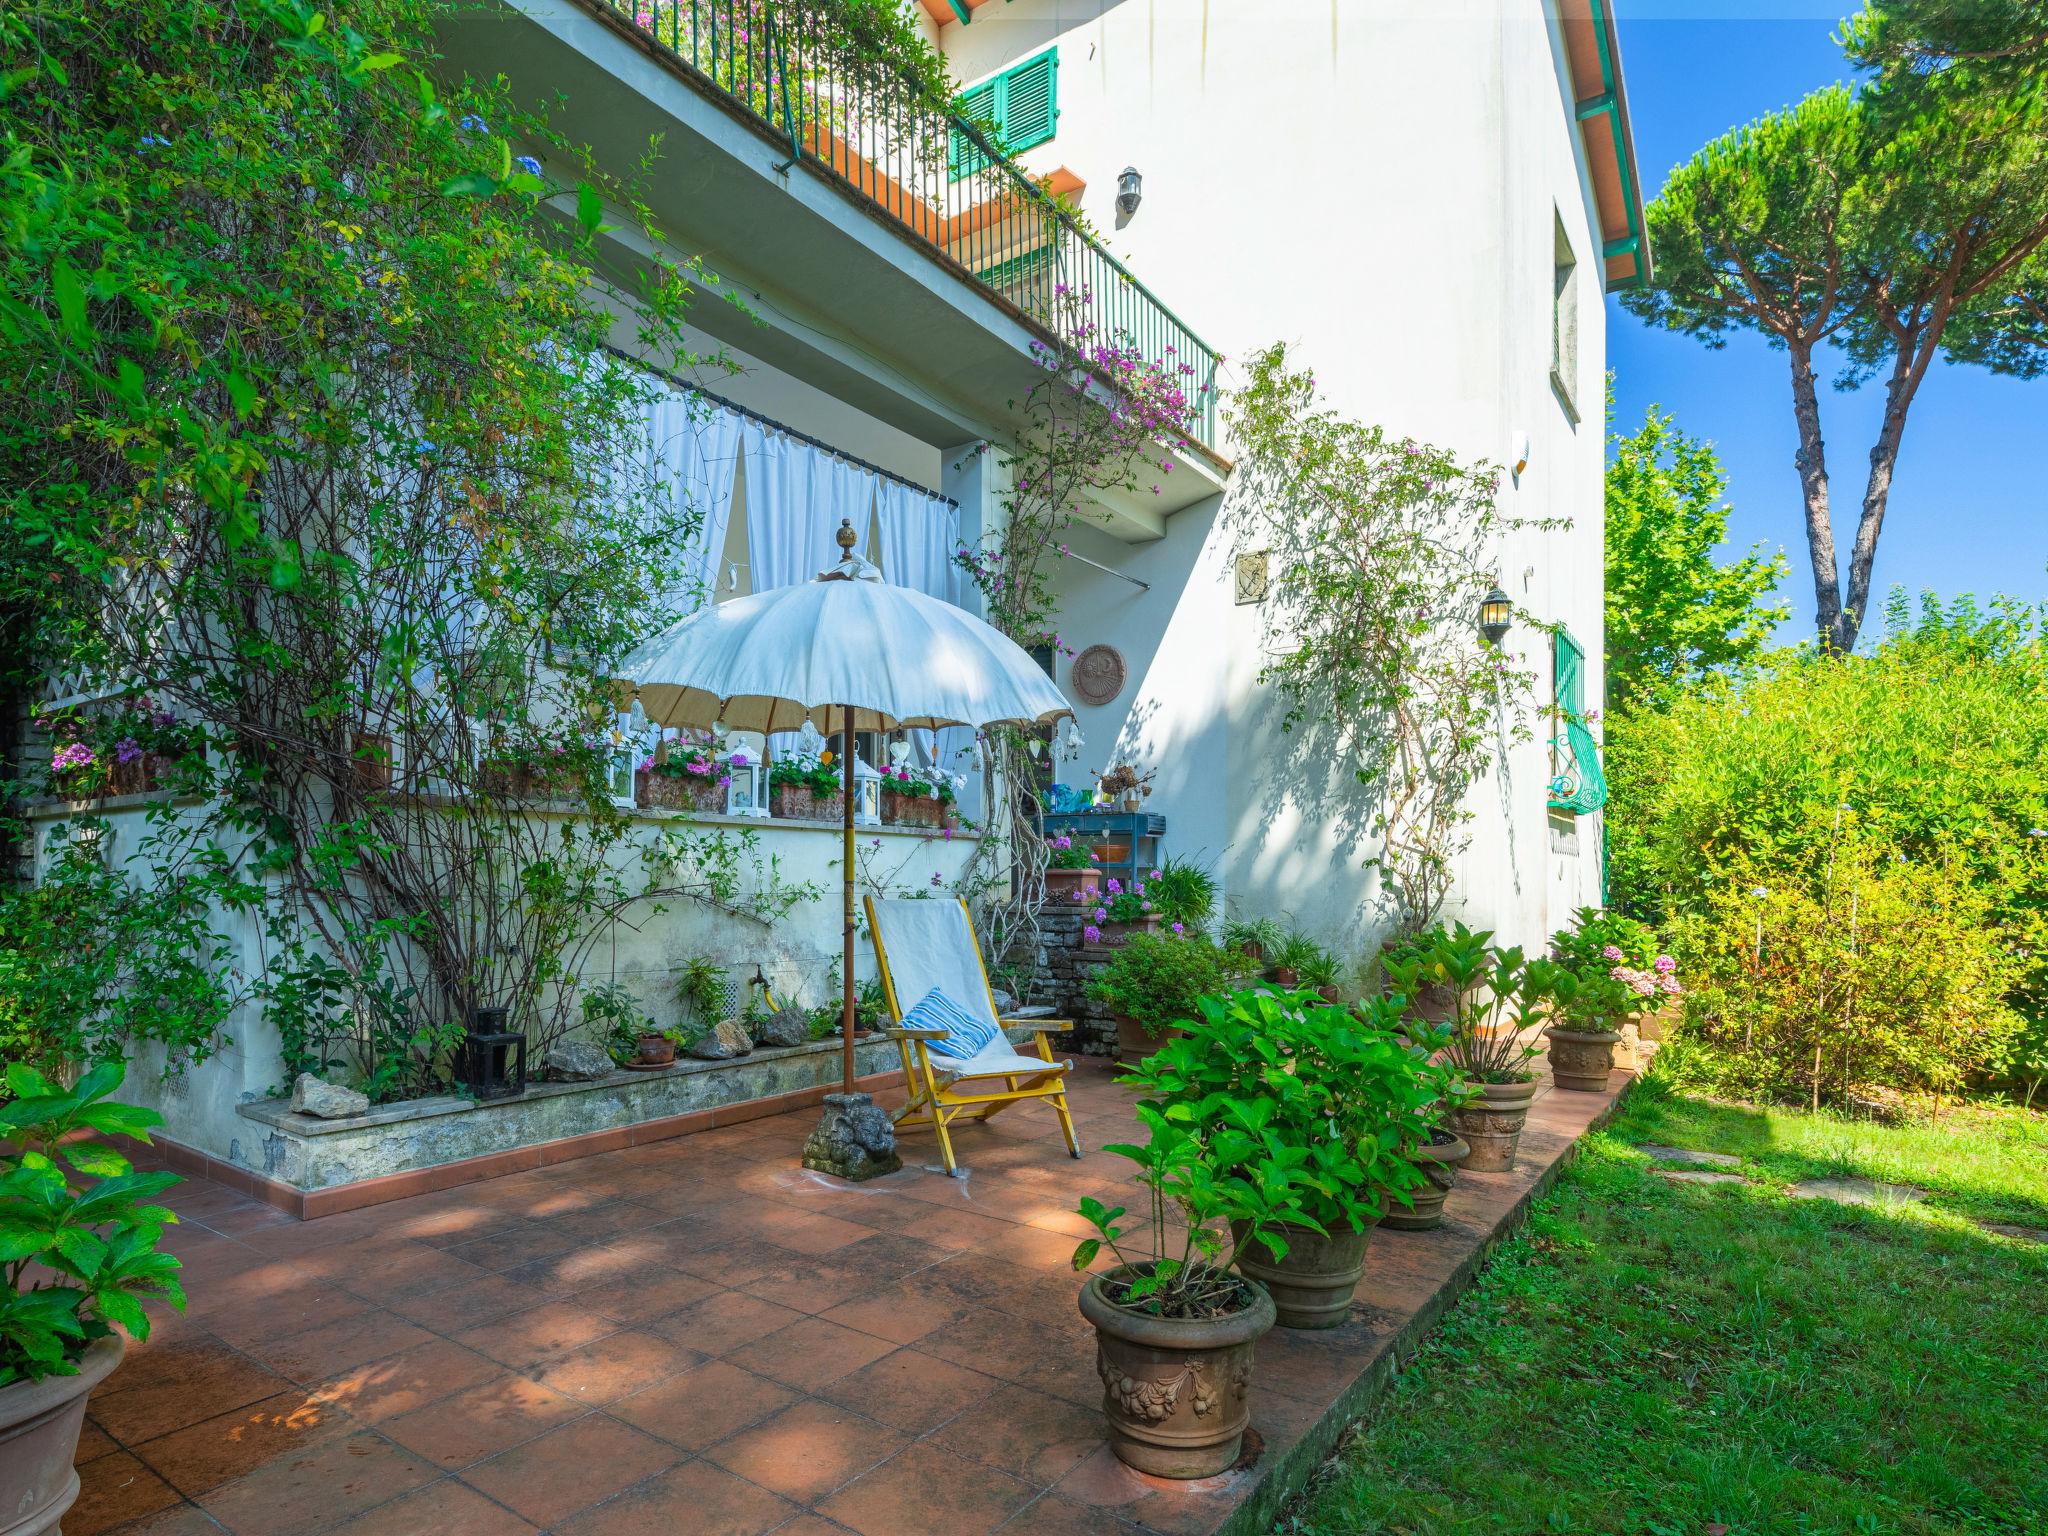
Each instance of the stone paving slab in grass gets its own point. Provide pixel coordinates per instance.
(1848, 1191)
(699, 1336)
(1686, 1155)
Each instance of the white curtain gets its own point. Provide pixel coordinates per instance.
(920, 533)
(695, 447)
(795, 498)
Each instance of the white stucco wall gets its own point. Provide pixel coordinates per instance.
(1379, 189)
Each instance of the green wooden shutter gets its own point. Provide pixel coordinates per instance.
(1022, 102)
(1030, 105)
(1580, 785)
(963, 157)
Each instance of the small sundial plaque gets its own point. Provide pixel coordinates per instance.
(1251, 578)
(1098, 674)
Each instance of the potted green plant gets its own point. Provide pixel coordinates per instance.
(681, 778)
(1317, 969)
(1070, 872)
(1152, 983)
(1183, 891)
(1253, 937)
(1295, 950)
(1611, 978)
(1342, 1096)
(1175, 1323)
(1119, 912)
(916, 797)
(1499, 1000)
(1430, 997)
(806, 790)
(75, 1264)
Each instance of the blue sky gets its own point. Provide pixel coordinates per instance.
(1969, 512)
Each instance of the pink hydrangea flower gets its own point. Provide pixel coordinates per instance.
(1664, 965)
(1612, 955)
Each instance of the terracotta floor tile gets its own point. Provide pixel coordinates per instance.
(925, 1488)
(444, 1226)
(599, 1221)
(701, 1406)
(273, 1313)
(238, 1443)
(426, 1373)
(696, 1498)
(92, 1441)
(1052, 1515)
(722, 1322)
(810, 1354)
(814, 1285)
(613, 1366)
(1151, 1503)
(811, 1525)
(902, 1313)
(514, 1246)
(526, 1338)
(319, 1485)
(571, 1468)
(399, 1274)
(206, 1382)
(806, 1233)
(461, 1307)
(446, 1508)
(564, 1274)
(808, 1450)
(482, 1420)
(736, 1261)
(114, 1489)
(910, 1390)
(177, 1520)
(642, 1299)
(1034, 1437)
(318, 1353)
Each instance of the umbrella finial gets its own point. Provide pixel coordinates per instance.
(845, 537)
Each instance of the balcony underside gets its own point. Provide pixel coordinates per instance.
(837, 292)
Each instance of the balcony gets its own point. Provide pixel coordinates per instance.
(861, 305)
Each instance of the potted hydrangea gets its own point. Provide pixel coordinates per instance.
(1620, 978)
(77, 1260)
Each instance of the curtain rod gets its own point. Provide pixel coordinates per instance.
(769, 421)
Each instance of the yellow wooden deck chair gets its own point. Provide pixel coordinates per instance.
(922, 944)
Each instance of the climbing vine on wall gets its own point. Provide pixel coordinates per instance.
(1379, 551)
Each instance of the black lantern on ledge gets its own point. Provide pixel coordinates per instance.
(491, 1061)
(1495, 614)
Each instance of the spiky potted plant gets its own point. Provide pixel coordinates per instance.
(1499, 1001)
(76, 1262)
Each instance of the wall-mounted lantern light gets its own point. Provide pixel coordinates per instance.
(1130, 191)
(1495, 614)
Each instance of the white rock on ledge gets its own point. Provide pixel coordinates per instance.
(325, 1101)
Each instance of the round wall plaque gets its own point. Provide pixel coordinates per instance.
(1098, 674)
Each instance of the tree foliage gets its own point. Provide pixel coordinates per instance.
(310, 425)
(1894, 222)
(1914, 768)
(1674, 614)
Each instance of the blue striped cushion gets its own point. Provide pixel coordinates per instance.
(966, 1035)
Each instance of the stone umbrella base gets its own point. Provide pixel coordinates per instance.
(854, 1140)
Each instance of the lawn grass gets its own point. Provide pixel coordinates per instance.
(1667, 1358)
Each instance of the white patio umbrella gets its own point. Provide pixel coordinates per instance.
(847, 652)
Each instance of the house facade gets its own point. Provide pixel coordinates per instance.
(1428, 206)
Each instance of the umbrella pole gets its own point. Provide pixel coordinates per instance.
(846, 851)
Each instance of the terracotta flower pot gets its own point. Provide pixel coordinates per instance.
(656, 1051)
(371, 754)
(1438, 1163)
(1492, 1124)
(1134, 1041)
(39, 1425)
(1435, 1003)
(1113, 934)
(1173, 1391)
(800, 802)
(1285, 976)
(1066, 886)
(1582, 1061)
(1313, 1282)
(1327, 991)
(677, 792)
(912, 810)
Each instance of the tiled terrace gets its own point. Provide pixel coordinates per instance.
(698, 1338)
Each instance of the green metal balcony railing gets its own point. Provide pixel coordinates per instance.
(931, 171)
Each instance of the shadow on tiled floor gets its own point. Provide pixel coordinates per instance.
(696, 1338)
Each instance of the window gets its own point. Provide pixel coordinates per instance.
(1021, 102)
(1564, 319)
(1577, 784)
